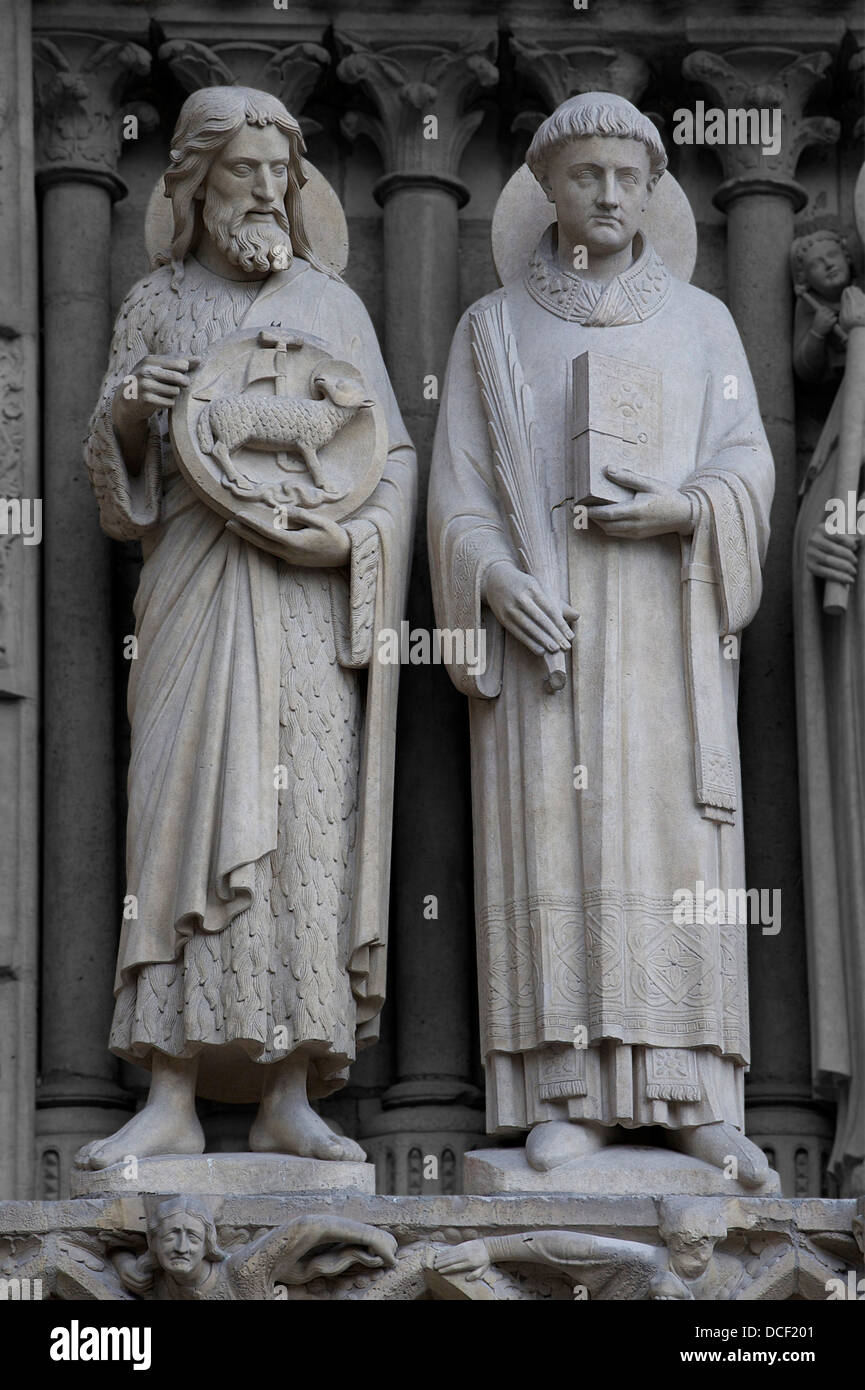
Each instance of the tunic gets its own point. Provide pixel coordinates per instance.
(260, 900)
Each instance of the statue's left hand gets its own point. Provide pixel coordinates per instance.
(319, 542)
(656, 509)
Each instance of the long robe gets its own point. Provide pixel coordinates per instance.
(830, 710)
(259, 911)
(574, 889)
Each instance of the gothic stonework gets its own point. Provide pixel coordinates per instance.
(773, 79)
(11, 447)
(289, 72)
(409, 83)
(80, 80)
(169, 1247)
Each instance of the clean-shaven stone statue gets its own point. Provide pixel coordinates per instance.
(252, 956)
(605, 761)
(830, 686)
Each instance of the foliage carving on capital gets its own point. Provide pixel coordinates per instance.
(420, 92)
(80, 81)
(765, 79)
(288, 71)
(558, 72)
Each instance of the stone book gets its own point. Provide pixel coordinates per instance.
(615, 421)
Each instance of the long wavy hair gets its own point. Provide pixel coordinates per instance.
(208, 120)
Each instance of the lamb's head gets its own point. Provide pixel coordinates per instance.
(343, 388)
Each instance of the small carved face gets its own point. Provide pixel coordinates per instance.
(179, 1245)
(827, 269)
(600, 186)
(251, 174)
(690, 1255)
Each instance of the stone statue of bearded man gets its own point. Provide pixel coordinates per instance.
(260, 779)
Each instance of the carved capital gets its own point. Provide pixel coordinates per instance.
(761, 79)
(288, 71)
(566, 71)
(80, 81)
(409, 83)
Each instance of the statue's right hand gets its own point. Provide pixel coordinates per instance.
(156, 383)
(825, 320)
(541, 622)
(832, 557)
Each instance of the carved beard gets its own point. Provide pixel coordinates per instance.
(252, 247)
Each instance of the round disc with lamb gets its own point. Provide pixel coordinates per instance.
(273, 425)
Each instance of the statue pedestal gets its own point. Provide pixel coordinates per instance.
(223, 1175)
(622, 1170)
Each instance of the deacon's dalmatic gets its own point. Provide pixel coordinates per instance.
(598, 374)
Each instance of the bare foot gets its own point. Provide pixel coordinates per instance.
(555, 1142)
(157, 1129)
(718, 1143)
(293, 1127)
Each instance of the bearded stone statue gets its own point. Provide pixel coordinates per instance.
(252, 961)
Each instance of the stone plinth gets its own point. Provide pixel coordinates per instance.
(623, 1170)
(223, 1174)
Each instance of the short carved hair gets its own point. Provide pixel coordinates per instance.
(208, 120)
(808, 234)
(594, 113)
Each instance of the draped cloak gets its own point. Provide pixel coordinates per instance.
(830, 710)
(207, 692)
(574, 889)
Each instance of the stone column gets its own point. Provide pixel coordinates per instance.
(20, 492)
(418, 92)
(80, 80)
(761, 196)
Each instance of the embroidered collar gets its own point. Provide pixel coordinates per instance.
(630, 297)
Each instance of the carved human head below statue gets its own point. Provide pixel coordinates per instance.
(234, 182)
(598, 160)
(182, 1240)
(690, 1231)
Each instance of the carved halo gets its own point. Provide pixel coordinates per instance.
(323, 218)
(522, 215)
